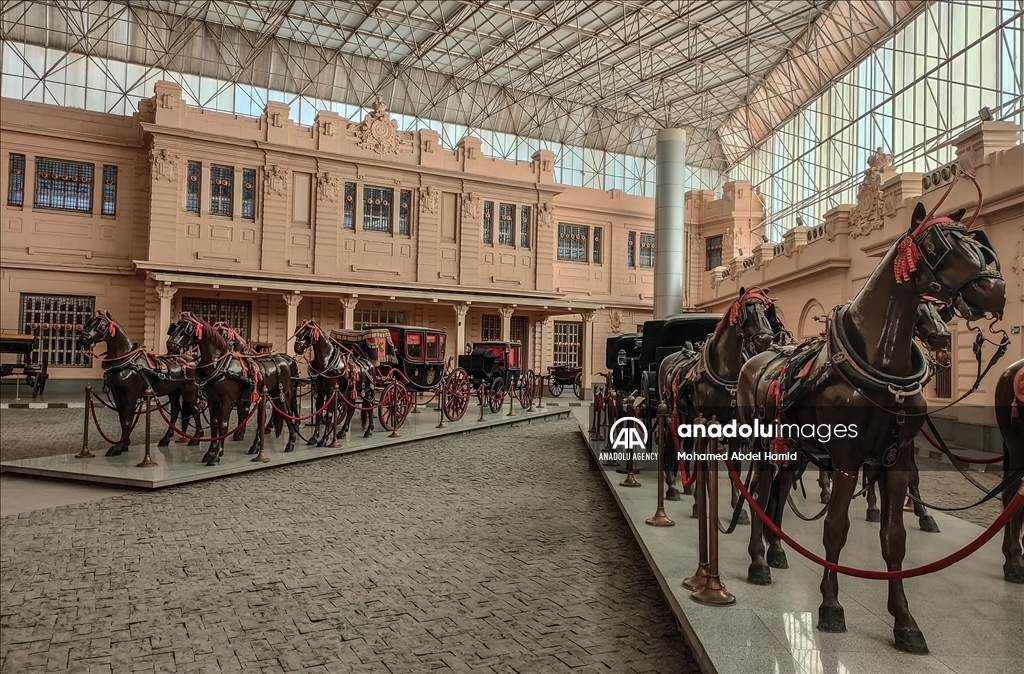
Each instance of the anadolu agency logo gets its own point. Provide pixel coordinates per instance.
(629, 438)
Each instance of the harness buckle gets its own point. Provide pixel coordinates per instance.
(901, 417)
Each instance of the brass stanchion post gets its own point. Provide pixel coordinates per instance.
(700, 577)
(660, 519)
(394, 411)
(713, 593)
(540, 392)
(335, 395)
(440, 406)
(613, 397)
(261, 416)
(481, 392)
(414, 398)
(511, 401)
(147, 460)
(85, 453)
(630, 480)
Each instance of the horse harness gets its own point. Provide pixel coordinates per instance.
(143, 361)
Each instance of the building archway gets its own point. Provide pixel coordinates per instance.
(808, 326)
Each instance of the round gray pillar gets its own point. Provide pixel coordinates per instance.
(669, 243)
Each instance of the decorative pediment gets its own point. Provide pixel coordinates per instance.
(472, 205)
(164, 163)
(379, 133)
(869, 212)
(429, 198)
(277, 180)
(327, 187)
(546, 215)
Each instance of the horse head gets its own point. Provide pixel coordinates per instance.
(945, 259)
(307, 335)
(754, 319)
(930, 327)
(235, 341)
(186, 334)
(100, 328)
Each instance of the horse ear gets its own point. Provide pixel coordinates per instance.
(957, 216)
(743, 291)
(765, 291)
(920, 213)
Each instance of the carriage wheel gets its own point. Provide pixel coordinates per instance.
(497, 392)
(555, 387)
(577, 386)
(525, 387)
(457, 389)
(395, 403)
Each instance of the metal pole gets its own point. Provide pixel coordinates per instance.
(394, 411)
(334, 414)
(440, 406)
(480, 393)
(261, 433)
(630, 481)
(613, 397)
(660, 519)
(540, 396)
(699, 578)
(713, 593)
(511, 402)
(147, 461)
(85, 453)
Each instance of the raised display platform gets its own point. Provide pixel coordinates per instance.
(972, 619)
(180, 464)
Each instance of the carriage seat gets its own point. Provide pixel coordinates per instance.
(375, 345)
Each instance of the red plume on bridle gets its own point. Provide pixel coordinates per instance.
(733, 315)
(111, 326)
(187, 316)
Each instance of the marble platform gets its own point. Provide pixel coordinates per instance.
(180, 464)
(972, 619)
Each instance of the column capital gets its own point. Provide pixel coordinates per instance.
(460, 310)
(506, 312)
(589, 316)
(349, 302)
(291, 299)
(165, 292)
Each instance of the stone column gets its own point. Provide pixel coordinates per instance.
(291, 322)
(348, 304)
(544, 325)
(588, 350)
(163, 317)
(506, 323)
(460, 332)
(669, 203)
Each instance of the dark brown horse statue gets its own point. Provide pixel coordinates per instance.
(238, 344)
(227, 376)
(1010, 417)
(867, 372)
(129, 368)
(704, 381)
(335, 365)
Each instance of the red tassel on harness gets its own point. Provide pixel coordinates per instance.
(734, 312)
(111, 328)
(778, 445)
(907, 257)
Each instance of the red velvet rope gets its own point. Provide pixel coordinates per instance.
(96, 422)
(1008, 513)
(286, 415)
(965, 459)
(191, 438)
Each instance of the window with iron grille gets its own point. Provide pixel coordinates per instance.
(377, 209)
(488, 224)
(524, 227)
(518, 330)
(944, 382)
(712, 252)
(572, 242)
(249, 194)
(365, 317)
(490, 328)
(236, 313)
(631, 249)
(506, 219)
(350, 206)
(568, 343)
(192, 187)
(109, 206)
(16, 180)
(221, 178)
(64, 185)
(597, 245)
(404, 209)
(55, 320)
(647, 251)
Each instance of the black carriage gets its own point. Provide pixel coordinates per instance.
(622, 358)
(34, 374)
(560, 376)
(495, 370)
(663, 337)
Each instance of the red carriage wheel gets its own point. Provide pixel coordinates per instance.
(395, 403)
(577, 386)
(527, 384)
(457, 389)
(496, 393)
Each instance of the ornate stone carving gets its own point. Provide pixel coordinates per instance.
(472, 205)
(164, 163)
(869, 212)
(291, 299)
(165, 292)
(460, 310)
(277, 180)
(429, 197)
(327, 187)
(589, 316)
(506, 312)
(615, 322)
(546, 215)
(378, 132)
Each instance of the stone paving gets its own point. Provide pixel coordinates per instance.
(496, 551)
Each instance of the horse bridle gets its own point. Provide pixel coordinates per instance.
(745, 309)
(935, 246)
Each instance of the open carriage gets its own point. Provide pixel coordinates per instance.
(622, 358)
(495, 370)
(560, 376)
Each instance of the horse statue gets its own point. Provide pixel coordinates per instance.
(704, 381)
(334, 364)
(866, 372)
(130, 368)
(227, 376)
(238, 344)
(1010, 418)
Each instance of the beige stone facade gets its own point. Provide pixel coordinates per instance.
(302, 251)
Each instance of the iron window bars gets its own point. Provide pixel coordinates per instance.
(64, 185)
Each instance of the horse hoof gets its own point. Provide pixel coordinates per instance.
(874, 515)
(163, 443)
(322, 443)
(672, 494)
(744, 519)
(831, 619)
(312, 441)
(114, 451)
(910, 640)
(759, 574)
(825, 497)
(290, 447)
(928, 524)
(688, 490)
(1013, 573)
(193, 443)
(253, 450)
(214, 461)
(777, 559)
(368, 434)
(693, 514)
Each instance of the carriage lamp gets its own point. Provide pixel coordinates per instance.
(620, 357)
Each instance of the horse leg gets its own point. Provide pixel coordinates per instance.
(825, 483)
(126, 417)
(780, 492)
(1013, 550)
(758, 572)
(318, 419)
(254, 448)
(175, 402)
(873, 514)
(217, 428)
(893, 486)
(288, 393)
(924, 520)
(368, 403)
(831, 617)
(243, 411)
(670, 463)
(197, 419)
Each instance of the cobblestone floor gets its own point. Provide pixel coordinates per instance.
(498, 551)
